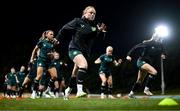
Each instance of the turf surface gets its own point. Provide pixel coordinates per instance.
(85, 104)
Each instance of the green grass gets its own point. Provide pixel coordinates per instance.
(84, 104)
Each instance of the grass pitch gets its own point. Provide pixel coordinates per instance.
(84, 104)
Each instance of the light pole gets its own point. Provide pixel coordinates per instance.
(162, 78)
(162, 31)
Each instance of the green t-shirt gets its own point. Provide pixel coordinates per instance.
(106, 62)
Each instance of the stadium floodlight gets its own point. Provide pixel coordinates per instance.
(161, 31)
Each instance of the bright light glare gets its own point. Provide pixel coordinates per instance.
(161, 31)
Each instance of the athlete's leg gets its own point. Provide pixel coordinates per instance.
(110, 87)
(103, 84)
(81, 62)
(152, 73)
(137, 84)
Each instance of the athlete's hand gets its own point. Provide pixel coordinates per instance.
(128, 58)
(101, 27)
(55, 41)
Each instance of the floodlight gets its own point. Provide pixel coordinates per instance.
(161, 31)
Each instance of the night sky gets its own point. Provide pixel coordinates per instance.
(128, 22)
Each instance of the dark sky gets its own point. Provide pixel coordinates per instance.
(128, 23)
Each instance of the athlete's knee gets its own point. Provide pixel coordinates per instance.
(54, 77)
(62, 84)
(83, 67)
(103, 82)
(154, 72)
(81, 63)
(38, 77)
(109, 83)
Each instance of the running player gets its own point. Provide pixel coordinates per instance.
(106, 62)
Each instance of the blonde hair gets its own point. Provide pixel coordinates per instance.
(87, 8)
(109, 48)
(43, 36)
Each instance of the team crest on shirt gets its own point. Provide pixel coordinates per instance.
(93, 29)
(82, 25)
(108, 59)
